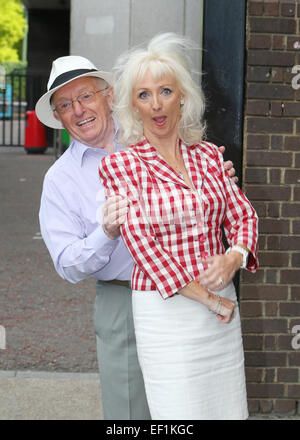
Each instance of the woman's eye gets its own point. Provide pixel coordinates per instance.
(166, 91)
(143, 95)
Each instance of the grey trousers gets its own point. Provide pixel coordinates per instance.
(122, 385)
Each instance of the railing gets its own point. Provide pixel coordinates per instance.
(13, 110)
(18, 96)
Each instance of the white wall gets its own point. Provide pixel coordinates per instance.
(102, 29)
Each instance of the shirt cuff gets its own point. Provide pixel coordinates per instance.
(252, 263)
(171, 287)
(101, 243)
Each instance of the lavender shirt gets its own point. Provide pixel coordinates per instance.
(70, 219)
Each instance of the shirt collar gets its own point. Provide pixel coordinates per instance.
(80, 150)
(149, 153)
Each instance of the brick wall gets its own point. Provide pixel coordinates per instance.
(270, 299)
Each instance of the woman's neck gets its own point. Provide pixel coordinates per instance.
(170, 150)
(167, 147)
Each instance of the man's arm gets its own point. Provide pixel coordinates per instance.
(75, 254)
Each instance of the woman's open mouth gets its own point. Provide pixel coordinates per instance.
(159, 120)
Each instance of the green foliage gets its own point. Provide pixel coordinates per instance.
(14, 67)
(12, 25)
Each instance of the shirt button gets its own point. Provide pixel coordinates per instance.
(204, 254)
(202, 239)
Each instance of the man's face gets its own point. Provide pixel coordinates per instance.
(91, 122)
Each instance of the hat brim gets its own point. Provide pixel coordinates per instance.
(43, 107)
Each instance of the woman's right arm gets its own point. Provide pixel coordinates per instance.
(223, 307)
(157, 263)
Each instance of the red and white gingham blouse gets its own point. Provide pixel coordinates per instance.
(170, 228)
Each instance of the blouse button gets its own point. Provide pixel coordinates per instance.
(204, 254)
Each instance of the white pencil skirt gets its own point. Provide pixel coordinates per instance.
(193, 365)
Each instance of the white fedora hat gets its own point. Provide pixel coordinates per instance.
(64, 70)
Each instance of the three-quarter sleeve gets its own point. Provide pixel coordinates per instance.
(241, 221)
(119, 176)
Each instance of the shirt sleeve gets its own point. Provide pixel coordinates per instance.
(157, 263)
(75, 255)
(241, 221)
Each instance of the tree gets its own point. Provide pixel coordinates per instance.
(12, 26)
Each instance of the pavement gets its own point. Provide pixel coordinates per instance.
(41, 395)
(48, 361)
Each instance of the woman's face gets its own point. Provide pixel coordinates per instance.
(158, 105)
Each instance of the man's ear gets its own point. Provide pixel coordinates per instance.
(110, 97)
(56, 116)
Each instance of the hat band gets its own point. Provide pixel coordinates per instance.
(64, 77)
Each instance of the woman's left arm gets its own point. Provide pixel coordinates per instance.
(241, 228)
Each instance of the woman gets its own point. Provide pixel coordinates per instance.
(180, 195)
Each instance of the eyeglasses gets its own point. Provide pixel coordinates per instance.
(84, 98)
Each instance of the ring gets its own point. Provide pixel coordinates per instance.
(221, 282)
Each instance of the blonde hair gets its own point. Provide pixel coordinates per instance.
(164, 54)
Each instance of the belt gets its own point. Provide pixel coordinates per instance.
(119, 283)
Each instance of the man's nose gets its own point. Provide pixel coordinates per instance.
(78, 108)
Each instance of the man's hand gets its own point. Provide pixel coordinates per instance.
(228, 165)
(114, 214)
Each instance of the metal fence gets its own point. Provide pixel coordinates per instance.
(18, 96)
(13, 110)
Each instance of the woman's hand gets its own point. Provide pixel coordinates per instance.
(221, 270)
(222, 307)
(114, 214)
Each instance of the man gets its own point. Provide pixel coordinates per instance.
(82, 231)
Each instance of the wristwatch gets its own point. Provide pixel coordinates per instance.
(242, 251)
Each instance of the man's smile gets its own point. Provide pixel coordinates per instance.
(85, 121)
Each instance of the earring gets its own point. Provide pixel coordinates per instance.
(182, 102)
